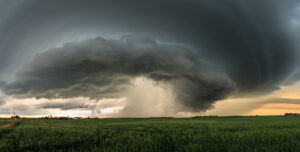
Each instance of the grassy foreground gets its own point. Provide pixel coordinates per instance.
(271, 134)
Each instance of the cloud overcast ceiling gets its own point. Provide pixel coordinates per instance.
(206, 50)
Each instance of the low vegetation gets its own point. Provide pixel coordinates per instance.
(262, 134)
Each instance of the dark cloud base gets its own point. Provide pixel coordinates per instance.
(100, 68)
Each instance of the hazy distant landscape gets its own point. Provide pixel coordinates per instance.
(260, 133)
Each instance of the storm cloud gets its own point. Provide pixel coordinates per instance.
(249, 39)
(204, 50)
(100, 68)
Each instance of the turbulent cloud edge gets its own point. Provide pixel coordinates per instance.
(100, 68)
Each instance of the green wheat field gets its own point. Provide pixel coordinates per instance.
(208, 134)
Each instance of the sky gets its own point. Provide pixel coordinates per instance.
(139, 58)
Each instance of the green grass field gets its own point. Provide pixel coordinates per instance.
(272, 134)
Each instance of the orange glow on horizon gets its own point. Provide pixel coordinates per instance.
(276, 109)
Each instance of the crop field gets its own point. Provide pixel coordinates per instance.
(214, 134)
